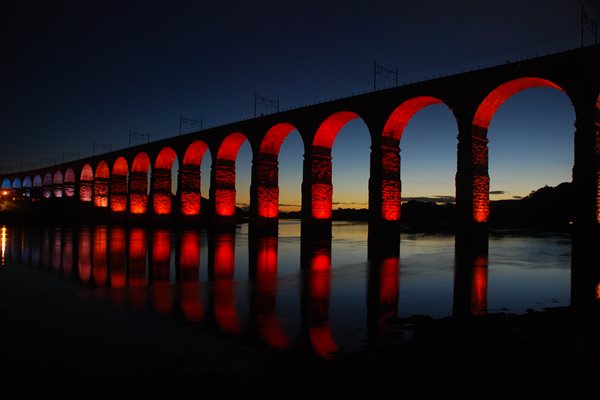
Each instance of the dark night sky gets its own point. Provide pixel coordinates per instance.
(85, 71)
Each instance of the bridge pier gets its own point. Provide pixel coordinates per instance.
(138, 192)
(317, 193)
(161, 191)
(189, 190)
(118, 193)
(101, 192)
(264, 195)
(222, 194)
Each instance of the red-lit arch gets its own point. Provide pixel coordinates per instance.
(322, 187)
(69, 183)
(57, 183)
(86, 179)
(138, 184)
(479, 148)
(224, 175)
(391, 186)
(118, 185)
(267, 172)
(190, 178)
(161, 181)
(101, 184)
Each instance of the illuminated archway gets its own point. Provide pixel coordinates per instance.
(6, 183)
(161, 181)
(47, 185)
(69, 183)
(389, 195)
(118, 185)
(86, 180)
(57, 184)
(321, 188)
(16, 183)
(190, 178)
(27, 186)
(138, 184)
(223, 189)
(37, 181)
(479, 179)
(266, 171)
(101, 185)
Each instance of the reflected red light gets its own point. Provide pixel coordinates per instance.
(85, 255)
(319, 292)
(479, 286)
(118, 258)
(137, 257)
(161, 255)
(269, 327)
(161, 260)
(224, 285)
(388, 285)
(56, 257)
(99, 258)
(189, 258)
(67, 254)
(191, 301)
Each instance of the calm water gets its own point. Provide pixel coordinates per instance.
(327, 296)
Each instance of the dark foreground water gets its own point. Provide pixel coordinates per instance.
(267, 291)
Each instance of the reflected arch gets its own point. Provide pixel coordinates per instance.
(477, 183)
(101, 184)
(138, 184)
(162, 197)
(223, 176)
(190, 178)
(118, 185)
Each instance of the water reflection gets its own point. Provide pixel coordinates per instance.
(193, 275)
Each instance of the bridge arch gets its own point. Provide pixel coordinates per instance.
(6, 183)
(480, 180)
(47, 185)
(16, 183)
(190, 178)
(57, 184)
(162, 181)
(138, 184)
(69, 183)
(118, 185)
(37, 181)
(320, 195)
(86, 181)
(389, 196)
(265, 174)
(101, 184)
(27, 184)
(223, 176)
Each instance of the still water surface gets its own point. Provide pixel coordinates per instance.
(327, 295)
